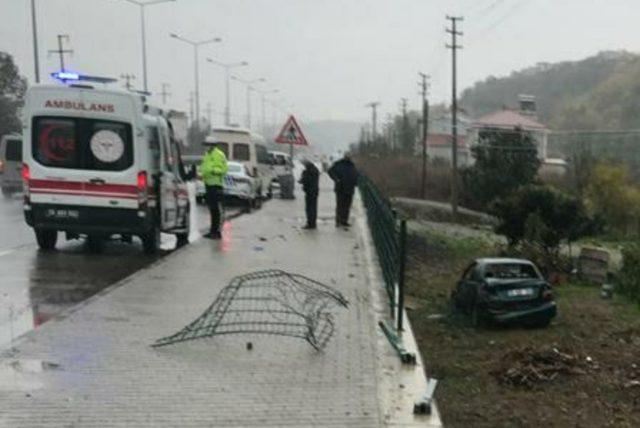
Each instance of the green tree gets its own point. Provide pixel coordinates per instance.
(541, 216)
(612, 197)
(12, 89)
(504, 161)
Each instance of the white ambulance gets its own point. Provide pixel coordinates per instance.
(99, 163)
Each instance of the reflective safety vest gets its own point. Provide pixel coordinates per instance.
(213, 167)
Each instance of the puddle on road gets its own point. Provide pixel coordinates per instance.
(23, 374)
(39, 285)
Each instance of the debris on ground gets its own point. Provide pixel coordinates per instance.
(528, 367)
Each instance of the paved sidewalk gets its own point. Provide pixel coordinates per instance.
(93, 367)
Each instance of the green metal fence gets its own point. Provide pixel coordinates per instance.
(389, 237)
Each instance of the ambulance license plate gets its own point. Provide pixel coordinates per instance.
(59, 213)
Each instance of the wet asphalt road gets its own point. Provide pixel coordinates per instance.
(35, 285)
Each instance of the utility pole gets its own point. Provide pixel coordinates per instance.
(208, 111)
(374, 119)
(127, 79)
(424, 89)
(454, 112)
(61, 51)
(164, 93)
(405, 125)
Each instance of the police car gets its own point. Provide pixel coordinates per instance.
(99, 163)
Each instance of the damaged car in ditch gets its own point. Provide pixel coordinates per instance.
(504, 291)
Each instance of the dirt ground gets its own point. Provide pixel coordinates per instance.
(582, 371)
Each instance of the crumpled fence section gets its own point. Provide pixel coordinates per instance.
(268, 302)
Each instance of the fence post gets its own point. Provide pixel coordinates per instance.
(401, 267)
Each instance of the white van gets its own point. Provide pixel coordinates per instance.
(282, 163)
(10, 164)
(99, 163)
(241, 145)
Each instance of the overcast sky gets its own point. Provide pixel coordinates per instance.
(328, 58)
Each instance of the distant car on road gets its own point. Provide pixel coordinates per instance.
(240, 185)
(241, 145)
(11, 164)
(282, 164)
(505, 290)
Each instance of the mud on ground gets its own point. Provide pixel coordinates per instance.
(582, 371)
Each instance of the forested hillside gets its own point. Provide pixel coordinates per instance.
(599, 92)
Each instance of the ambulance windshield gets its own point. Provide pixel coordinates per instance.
(76, 143)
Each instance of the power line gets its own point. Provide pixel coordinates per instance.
(61, 51)
(374, 118)
(128, 78)
(424, 89)
(164, 93)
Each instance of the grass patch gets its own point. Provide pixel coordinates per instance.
(463, 358)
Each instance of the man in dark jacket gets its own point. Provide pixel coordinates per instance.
(345, 176)
(309, 181)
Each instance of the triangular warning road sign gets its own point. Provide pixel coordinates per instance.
(291, 134)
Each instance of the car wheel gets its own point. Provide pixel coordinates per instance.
(248, 205)
(46, 239)
(270, 191)
(477, 316)
(95, 244)
(151, 241)
(257, 201)
(182, 239)
(541, 323)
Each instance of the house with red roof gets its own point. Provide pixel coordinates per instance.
(524, 118)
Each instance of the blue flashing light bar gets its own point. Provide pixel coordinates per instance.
(65, 76)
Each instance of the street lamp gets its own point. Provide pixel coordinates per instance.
(144, 38)
(264, 93)
(249, 89)
(34, 29)
(227, 67)
(196, 45)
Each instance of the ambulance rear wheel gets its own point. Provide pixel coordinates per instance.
(46, 239)
(151, 241)
(95, 244)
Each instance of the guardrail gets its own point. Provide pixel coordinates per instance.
(389, 237)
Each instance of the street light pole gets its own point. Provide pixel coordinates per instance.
(142, 5)
(249, 89)
(34, 27)
(227, 68)
(264, 93)
(196, 45)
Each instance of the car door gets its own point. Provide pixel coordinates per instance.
(182, 193)
(168, 190)
(264, 167)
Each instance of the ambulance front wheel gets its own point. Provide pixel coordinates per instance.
(151, 240)
(46, 238)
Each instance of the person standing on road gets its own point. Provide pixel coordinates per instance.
(345, 176)
(309, 180)
(213, 170)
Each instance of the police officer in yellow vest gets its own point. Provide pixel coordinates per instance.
(213, 169)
